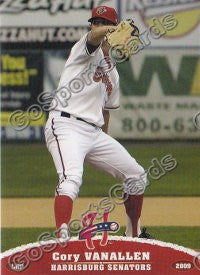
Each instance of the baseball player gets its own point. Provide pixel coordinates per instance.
(78, 121)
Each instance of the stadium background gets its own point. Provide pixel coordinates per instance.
(160, 96)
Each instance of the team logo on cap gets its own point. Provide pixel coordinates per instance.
(101, 10)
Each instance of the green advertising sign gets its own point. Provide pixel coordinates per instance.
(172, 85)
(160, 95)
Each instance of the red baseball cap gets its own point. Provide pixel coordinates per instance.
(105, 12)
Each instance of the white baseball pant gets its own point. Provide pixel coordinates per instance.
(71, 142)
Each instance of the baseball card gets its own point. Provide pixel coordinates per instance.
(100, 137)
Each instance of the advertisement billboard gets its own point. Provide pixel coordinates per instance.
(165, 23)
(160, 95)
(48, 23)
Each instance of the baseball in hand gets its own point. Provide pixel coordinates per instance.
(114, 226)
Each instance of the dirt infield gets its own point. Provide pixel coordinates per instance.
(157, 211)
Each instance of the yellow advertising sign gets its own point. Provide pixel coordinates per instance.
(20, 118)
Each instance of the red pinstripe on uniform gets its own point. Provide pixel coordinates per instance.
(59, 150)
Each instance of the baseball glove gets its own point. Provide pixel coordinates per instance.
(124, 40)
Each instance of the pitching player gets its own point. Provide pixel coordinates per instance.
(76, 128)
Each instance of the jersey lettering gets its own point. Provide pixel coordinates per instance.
(100, 75)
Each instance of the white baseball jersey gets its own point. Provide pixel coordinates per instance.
(83, 90)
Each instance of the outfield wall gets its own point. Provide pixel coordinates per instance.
(160, 87)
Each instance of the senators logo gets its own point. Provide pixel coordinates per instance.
(90, 229)
(101, 10)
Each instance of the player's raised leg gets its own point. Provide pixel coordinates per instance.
(110, 156)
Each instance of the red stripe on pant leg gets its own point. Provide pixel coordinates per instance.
(56, 137)
(62, 204)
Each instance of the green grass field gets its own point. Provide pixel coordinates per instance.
(185, 236)
(28, 171)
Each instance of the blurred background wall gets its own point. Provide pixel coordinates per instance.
(160, 87)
